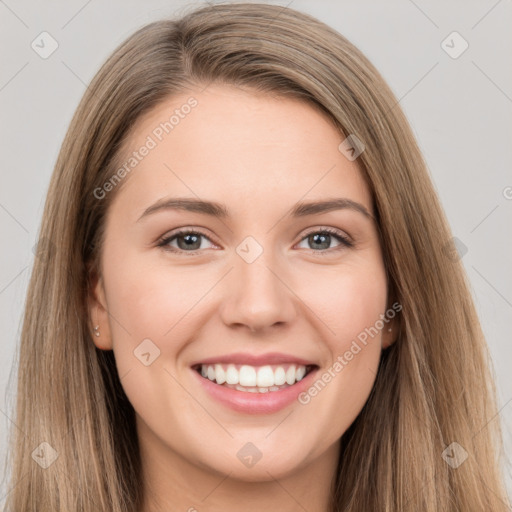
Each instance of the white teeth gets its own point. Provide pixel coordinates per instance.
(254, 379)
(257, 390)
(247, 376)
(250, 390)
(290, 375)
(231, 374)
(265, 377)
(220, 374)
(299, 373)
(279, 376)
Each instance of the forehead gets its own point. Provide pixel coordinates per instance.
(239, 148)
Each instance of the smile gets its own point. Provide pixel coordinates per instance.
(254, 379)
(254, 384)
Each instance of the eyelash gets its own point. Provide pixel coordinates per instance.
(345, 242)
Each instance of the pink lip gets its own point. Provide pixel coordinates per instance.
(256, 403)
(254, 360)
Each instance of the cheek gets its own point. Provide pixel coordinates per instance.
(350, 304)
(349, 301)
(151, 320)
(151, 301)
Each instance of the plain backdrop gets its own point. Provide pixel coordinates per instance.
(459, 106)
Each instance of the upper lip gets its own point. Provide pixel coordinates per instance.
(255, 360)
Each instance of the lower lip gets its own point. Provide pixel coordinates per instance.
(256, 403)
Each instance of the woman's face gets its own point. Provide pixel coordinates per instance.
(258, 293)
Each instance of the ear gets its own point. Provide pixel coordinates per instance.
(391, 325)
(389, 334)
(98, 313)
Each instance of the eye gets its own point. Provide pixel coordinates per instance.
(187, 240)
(321, 239)
(191, 240)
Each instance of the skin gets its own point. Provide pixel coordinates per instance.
(258, 155)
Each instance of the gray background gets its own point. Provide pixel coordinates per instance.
(460, 110)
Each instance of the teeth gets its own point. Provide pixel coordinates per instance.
(265, 377)
(290, 375)
(231, 374)
(247, 376)
(300, 372)
(220, 374)
(279, 376)
(255, 389)
(254, 379)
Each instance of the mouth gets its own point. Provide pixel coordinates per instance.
(254, 379)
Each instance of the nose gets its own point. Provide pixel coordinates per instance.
(257, 295)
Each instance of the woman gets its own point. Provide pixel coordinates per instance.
(258, 369)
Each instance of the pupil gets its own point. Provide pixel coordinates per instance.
(324, 236)
(189, 240)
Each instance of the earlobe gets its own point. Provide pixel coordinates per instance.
(98, 315)
(389, 334)
(391, 327)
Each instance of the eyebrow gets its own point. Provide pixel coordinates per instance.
(219, 210)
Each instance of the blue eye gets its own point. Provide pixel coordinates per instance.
(190, 241)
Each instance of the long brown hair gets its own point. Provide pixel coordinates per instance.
(434, 385)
